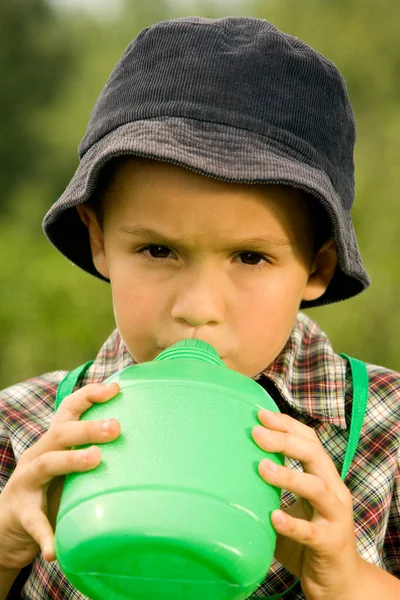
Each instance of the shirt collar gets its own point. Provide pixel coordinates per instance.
(307, 373)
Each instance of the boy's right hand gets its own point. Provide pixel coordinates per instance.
(24, 524)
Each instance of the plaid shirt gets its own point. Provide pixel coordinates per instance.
(309, 382)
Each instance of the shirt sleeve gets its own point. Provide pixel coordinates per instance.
(7, 458)
(26, 410)
(391, 549)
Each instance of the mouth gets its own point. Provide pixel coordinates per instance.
(161, 349)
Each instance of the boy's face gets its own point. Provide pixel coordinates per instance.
(192, 257)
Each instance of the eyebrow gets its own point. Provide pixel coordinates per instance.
(257, 241)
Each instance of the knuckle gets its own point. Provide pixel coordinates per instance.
(347, 498)
(292, 526)
(311, 535)
(321, 487)
(90, 430)
(314, 447)
(94, 431)
(40, 464)
(286, 443)
(16, 481)
(284, 419)
(87, 391)
(69, 410)
(291, 477)
(25, 456)
(57, 434)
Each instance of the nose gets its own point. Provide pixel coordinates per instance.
(199, 299)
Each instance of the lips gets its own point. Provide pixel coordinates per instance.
(164, 347)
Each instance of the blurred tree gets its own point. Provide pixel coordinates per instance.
(35, 58)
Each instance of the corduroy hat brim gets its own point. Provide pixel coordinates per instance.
(215, 150)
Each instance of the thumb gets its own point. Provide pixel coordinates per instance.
(38, 527)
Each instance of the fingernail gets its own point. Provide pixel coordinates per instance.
(279, 517)
(106, 425)
(258, 429)
(272, 416)
(270, 465)
(86, 453)
(48, 552)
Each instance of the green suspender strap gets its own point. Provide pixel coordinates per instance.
(360, 380)
(360, 398)
(69, 382)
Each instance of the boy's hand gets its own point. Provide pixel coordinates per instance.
(24, 503)
(316, 540)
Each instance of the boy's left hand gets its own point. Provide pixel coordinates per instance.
(316, 540)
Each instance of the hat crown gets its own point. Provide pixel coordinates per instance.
(241, 72)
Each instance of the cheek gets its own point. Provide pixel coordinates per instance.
(263, 335)
(136, 309)
(263, 327)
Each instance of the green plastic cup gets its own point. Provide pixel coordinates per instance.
(176, 509)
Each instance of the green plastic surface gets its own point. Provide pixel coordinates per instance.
(176, 509)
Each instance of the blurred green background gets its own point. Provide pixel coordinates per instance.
(55, 57)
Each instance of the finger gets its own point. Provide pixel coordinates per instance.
(304, 532)
(36, 524)
(77, 433)
(74, 405)
(318, 492)
(281, 422)
(309, 452)
(45, 467)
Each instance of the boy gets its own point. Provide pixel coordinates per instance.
(214, 194)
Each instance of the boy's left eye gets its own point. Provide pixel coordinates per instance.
(157, 251)
(252, 258)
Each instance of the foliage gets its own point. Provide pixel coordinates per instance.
(52, 315)
(35, 60)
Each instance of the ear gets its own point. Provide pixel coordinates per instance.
(96, 238)
(322, 271)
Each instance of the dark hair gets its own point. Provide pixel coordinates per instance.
(104, 180)
(320, 221)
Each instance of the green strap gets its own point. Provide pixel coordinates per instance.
(360, 380)
(69, 382)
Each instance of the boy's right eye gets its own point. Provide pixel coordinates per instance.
(156, 251)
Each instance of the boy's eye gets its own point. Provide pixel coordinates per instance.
(157, 251)
(251, 258)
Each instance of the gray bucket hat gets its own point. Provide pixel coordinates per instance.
(234, 99)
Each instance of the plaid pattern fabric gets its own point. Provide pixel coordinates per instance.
(308, 381)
